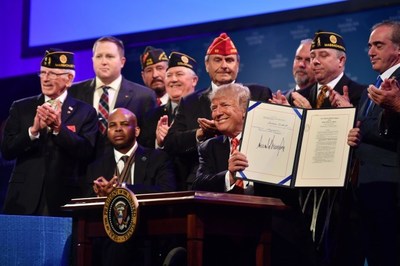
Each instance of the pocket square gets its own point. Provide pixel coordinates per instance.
(72, 128)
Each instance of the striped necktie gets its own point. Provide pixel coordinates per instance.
(103, 110)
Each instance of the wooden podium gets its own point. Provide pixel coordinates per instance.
(195, 214)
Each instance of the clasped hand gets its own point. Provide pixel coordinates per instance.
(47, 116)
(102, 187)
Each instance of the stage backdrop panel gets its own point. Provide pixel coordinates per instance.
(34, 240)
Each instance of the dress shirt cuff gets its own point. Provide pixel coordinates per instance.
(31, 136)
(228, 185)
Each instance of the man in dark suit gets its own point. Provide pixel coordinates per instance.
(219, 161)
(328, 59)
(146, 170)
(52, 137)
(181, 80)
(150, 170)
(193, 124)
(377, 142)
(108, 61)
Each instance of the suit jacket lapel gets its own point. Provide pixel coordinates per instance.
(68, 108)
(124, 95)
(206, 107)
(140, 165)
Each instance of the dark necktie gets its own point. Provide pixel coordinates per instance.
(103, 110)
(126, 171)
(321, 96)
(371, 103)
(239, 182)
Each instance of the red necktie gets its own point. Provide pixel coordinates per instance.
(234, 145)
(159, 102)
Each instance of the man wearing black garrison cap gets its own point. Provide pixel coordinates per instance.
(328, 60)
(52, 137)
(154, 63)
(332, 224)
(181, 80)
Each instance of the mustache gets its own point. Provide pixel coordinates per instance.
(156, 80)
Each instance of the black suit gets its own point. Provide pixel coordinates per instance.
(379, 181)
(355, 91)
(334, 234)
(181, 137)
(153, 170)
(132, 96)
(49, 168)
(148, 130)
(290, 235)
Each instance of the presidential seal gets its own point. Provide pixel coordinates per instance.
(120, 214)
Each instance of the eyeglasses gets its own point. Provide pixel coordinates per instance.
(51, 75)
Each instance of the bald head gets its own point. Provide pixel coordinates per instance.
(122, 129)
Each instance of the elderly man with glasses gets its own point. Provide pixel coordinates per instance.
(51, 136)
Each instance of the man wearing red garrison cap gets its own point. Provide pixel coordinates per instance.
(193, 123)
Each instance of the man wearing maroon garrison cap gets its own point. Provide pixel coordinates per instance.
(193, 123)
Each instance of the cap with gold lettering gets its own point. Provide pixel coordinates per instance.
(222, 45)
(181, 59)
(323, 39)
(55, 58)
(152, 56)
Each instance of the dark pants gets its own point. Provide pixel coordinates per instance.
(379, 212)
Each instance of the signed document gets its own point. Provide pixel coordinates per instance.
(296, 147)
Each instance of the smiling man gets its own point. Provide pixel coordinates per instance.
(52, 138)
(193, 123)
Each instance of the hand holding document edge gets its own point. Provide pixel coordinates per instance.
(295, 147)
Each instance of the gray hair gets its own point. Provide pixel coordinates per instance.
(241, 92)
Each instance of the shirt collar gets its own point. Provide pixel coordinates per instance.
(113, 85)
(61, 98)
(215, 86)
(333, 82)
(389, 72)
(118, 155)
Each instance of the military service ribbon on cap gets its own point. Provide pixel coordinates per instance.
(55, 58)
(324, 39)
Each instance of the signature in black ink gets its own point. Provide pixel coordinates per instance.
(270, 145)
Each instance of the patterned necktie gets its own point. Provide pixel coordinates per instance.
(239, 182)
(125, 175)
(321, 96)
(103, 111)
(371, 103)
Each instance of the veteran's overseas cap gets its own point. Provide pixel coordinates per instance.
(323, 39)
(55, 58)
(152, 56)
(181, 59)
(222, 45)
